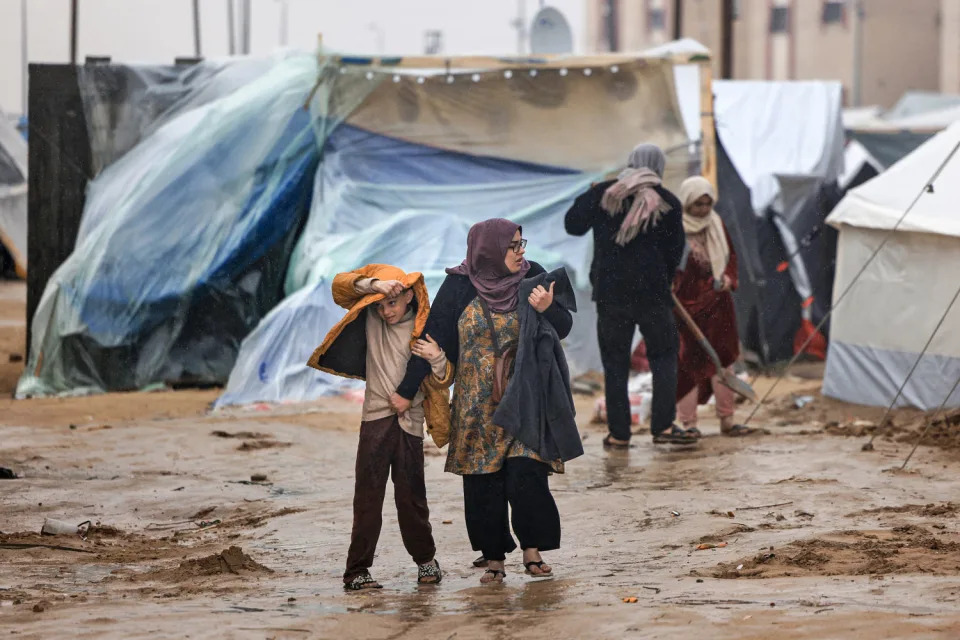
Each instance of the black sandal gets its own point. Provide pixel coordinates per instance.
(607, 444)
(738, 431)
(429, 570)
(494, 572)
(481, 563)
(362, 582)
(674, 435)
(539, 565)
(694, 431)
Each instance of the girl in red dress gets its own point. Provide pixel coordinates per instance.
(704, 288)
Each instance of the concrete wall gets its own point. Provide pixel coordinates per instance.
(901, 49)
(950, 46)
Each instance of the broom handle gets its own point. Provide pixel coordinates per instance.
(702, 339)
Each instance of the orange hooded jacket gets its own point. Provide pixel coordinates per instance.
(343, 352)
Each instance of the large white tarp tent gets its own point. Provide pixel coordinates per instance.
(881, 326)
(13, 194)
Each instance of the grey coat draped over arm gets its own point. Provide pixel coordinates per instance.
(537, 405)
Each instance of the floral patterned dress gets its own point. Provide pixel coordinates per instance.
(476, 444)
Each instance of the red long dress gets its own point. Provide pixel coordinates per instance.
(714, 313)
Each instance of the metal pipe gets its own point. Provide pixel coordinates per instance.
(24, 56)
(677, 19)
(231, 28)
(196, 29)
(74, 28)
(726, 36)
(245, 35)
(858, 54)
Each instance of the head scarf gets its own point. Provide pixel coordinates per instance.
(644, 171)
(487, 245)
(715, 239)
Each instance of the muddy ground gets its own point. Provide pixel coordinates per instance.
(806, 536)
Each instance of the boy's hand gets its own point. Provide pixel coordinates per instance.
(540, 298)
(389, 288)
(427, 349)
(399, 403)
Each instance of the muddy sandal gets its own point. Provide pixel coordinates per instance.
(674, 435)
(694, 431)
(539, 565)
(738, 431)
(362, 582)
(494, 579)
(429, 573)
(609, 444)
(481, 563)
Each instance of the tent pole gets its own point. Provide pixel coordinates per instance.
(708, 141)
(74, 27)
(24, 55)
(231, 29)
(677, 19)
(197, 51)
(726, 37)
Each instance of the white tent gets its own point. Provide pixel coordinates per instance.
(13, 194)
(881, 326)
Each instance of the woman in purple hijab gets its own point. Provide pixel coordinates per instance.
(497, 469)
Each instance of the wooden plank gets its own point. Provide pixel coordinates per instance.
(60, 164)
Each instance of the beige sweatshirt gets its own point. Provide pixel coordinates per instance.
(388, 350)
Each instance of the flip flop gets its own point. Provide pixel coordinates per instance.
(608, 444)
(739, 431)
(362, 582)
(494, 580)
(539, 565)
(427, 572)
(674, 435)
(481, 563)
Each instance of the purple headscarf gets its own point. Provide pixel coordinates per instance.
(487, 245)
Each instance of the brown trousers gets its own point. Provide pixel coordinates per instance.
(387, 450)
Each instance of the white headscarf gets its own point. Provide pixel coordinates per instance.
(718, 250)
(644, 171)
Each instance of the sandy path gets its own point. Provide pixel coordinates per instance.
(620, 538)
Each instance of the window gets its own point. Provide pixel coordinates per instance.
(779, 19)
(432, 42)
(834, 12)
(656, 20)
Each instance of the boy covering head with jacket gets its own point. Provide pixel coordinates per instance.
(386, 312)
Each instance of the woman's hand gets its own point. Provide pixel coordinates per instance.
(727, 284)
(389, 288)
(540, 298)
(427, 349)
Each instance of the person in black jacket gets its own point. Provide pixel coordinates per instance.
(638, 243)
(475, 312)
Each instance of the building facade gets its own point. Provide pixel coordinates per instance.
(877, 48)
(950, 46)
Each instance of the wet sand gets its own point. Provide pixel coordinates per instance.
(821, 540)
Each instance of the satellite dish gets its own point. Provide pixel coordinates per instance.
(550, 33)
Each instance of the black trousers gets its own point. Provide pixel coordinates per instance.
(615, 327)
(522, 483)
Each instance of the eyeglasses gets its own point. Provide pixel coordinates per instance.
(518, 245)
